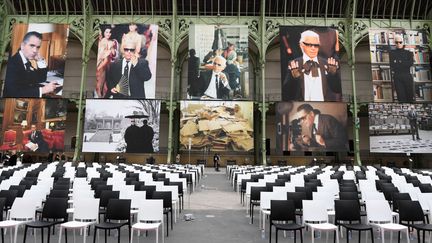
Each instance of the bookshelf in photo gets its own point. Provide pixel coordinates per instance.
(382, 42)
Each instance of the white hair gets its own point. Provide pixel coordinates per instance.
(399, 38)
(220, 58)
(308, 33)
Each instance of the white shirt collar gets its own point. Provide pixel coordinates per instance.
(316, 120)
(24, 59)
(307, 58)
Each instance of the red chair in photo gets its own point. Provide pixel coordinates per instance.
(9, 140)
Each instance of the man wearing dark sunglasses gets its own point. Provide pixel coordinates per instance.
(126, 77)
(322, 131)
(401, 61)
(213, 84)
(311, 77)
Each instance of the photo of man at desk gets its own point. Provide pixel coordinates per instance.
(36, 66)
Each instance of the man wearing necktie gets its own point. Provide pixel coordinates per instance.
(26, 72)
(213, 84)
(36, 137)
(412, 116)
(126, 77)
(322, 131)
(311, 77)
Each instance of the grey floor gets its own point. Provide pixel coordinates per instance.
(218, 218)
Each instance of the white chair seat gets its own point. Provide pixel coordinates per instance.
(323, 226)
(76, 224)
(391, 226)
(146, 226)
(10, 223)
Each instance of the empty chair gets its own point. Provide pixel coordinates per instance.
(282, 217)
(53, 212)
(380, 214)
(255, 199)
(150, 217)
(117, 215)
(349, 210)
(411, 214)
(104, 199)
(316, 217)
(167, 204)
(85, 214)
(22, 211)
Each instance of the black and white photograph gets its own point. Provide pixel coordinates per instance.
(122, 126)
(400, 128)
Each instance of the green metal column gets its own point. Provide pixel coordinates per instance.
(171, 105)
(350, 45)
(263, 87)
(87, 40)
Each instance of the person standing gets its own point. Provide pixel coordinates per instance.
(412, 117)
(147, 135)
(401, 61)
(216, 159)
(131, 138)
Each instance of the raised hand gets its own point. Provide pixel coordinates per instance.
(294, 67)
(333, 65)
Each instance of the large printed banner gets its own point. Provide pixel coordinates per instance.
(310, 64)
(400, 128)
(37, 61)
(216, 125)
(401, 69)
(218, 62)
(130, 126)
(126, 61)
(34, 125)
(311, 126)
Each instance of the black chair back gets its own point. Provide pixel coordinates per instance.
(55, 208)
(165, 196)
(59, 194)
(282, 210)
(20, 188)
(118, 209)
(347, 210)
(10, 196)
(106, 196)
(149, 189)
(100, 188)
(410, 211)
(298, 198)
(348, 196)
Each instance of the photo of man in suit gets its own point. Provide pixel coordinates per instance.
(412, 117)
(323, 131)
(213, 84)
(132, 138)
(126, 77)
(36, 137)
(26, 74)
(311, 77)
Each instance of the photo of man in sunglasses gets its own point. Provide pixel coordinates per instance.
(126, 76)
(315, 75)
(401, 61)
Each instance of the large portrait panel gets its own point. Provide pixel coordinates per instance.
(122, 126)
(37, 61)
(400, 62)
(126, 61)
(218, 62)
(311, 126)
(310, 64)
(34, 125)
(400, 128)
